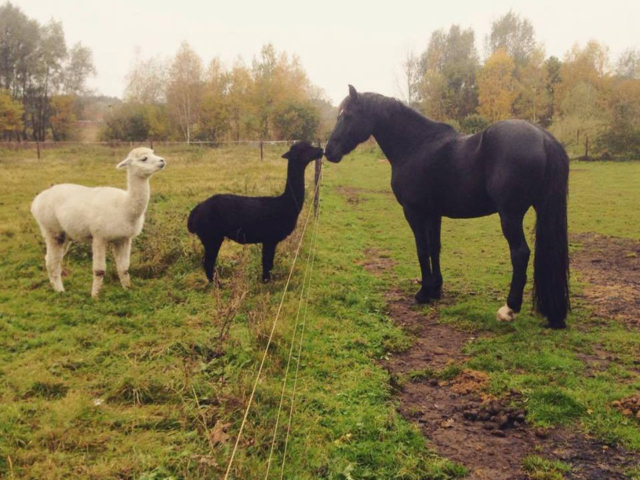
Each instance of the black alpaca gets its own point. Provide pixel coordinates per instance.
(265, 220)
(437, 172)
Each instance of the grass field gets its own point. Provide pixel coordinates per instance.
(152, 383)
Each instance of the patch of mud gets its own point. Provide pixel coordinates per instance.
(611, 269)
(629, 407)
(489, 436)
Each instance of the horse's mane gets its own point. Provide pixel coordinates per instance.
(388, 107)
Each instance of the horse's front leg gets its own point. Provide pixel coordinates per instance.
(419, 223)
(434, 226)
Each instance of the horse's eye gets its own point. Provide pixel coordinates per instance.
(143, 159)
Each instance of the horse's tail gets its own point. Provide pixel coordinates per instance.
(192, 222)
(551, 263)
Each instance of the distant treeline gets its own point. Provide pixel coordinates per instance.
(180, 99)
(589, 102)
(585, 99)
(40, 78)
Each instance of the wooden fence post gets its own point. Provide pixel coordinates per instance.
(586, 147)
(38, 148)
(261, 151)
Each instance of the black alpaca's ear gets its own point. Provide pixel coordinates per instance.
(353, 93)
(287, 155)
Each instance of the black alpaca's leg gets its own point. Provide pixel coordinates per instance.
(211, 249)
(419, 224)
(520, 253)
(434, 244)
(268, 252)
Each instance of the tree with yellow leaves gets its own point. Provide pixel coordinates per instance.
(497, 86)
(10, 116)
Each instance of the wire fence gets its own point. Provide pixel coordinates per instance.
(50, 144)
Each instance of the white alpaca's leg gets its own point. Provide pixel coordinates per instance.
(53, 260)
(99, 264)
(122, 253)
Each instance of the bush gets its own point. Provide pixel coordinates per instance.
(474, 123)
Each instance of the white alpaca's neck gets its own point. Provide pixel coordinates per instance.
(138, 193)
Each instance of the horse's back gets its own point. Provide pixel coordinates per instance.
(514, 156)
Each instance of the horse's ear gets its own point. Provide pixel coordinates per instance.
(353, 93)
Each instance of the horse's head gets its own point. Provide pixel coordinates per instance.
(353, 127)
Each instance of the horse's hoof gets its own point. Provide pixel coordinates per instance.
(505, 314)
(422, 298)
(266, 279)
(436, 293)
(557, 325)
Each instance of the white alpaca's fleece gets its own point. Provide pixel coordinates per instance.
(99, 215)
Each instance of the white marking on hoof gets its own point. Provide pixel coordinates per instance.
(505, 314)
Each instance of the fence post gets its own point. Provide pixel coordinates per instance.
(151, 142)
(261, 151)
(38, 148)
(586, 147)
(316, 178)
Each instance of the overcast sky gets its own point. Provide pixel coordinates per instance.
(339, 42)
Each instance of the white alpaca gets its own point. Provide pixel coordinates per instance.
(98, 215)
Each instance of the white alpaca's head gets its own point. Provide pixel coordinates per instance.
(143, 162)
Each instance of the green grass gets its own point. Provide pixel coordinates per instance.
(164, 369)
(541, 469)
(544, 365)
(132, 385)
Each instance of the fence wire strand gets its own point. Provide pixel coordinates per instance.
(273, 328)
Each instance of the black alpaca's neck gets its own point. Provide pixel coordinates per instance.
(294, 190)
(400, 130)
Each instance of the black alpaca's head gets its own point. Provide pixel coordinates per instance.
(353, 127)
(302, 153)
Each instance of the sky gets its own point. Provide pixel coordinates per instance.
(338, 42)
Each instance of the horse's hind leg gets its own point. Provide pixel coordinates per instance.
(520, 253)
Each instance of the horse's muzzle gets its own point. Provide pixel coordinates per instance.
(331, 154)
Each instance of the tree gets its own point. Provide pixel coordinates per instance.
(215, 112)
(296, 121)
(621, 135)
(408, 84)
(146, 81)
(48, 75)
(553, 66)
(78, 68)
(239, 97)
(10, 116)
(35, 65)
(447, 71)
(532, 99)
(583, 65)
(628, 66)
(514, 35)
(184, 90)
(496, 86)
(63, 119)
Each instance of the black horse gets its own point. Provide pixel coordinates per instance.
(436, 172)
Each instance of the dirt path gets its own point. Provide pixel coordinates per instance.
(463, 423)
(611, 269)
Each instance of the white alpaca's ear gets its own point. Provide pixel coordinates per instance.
(124, 163)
